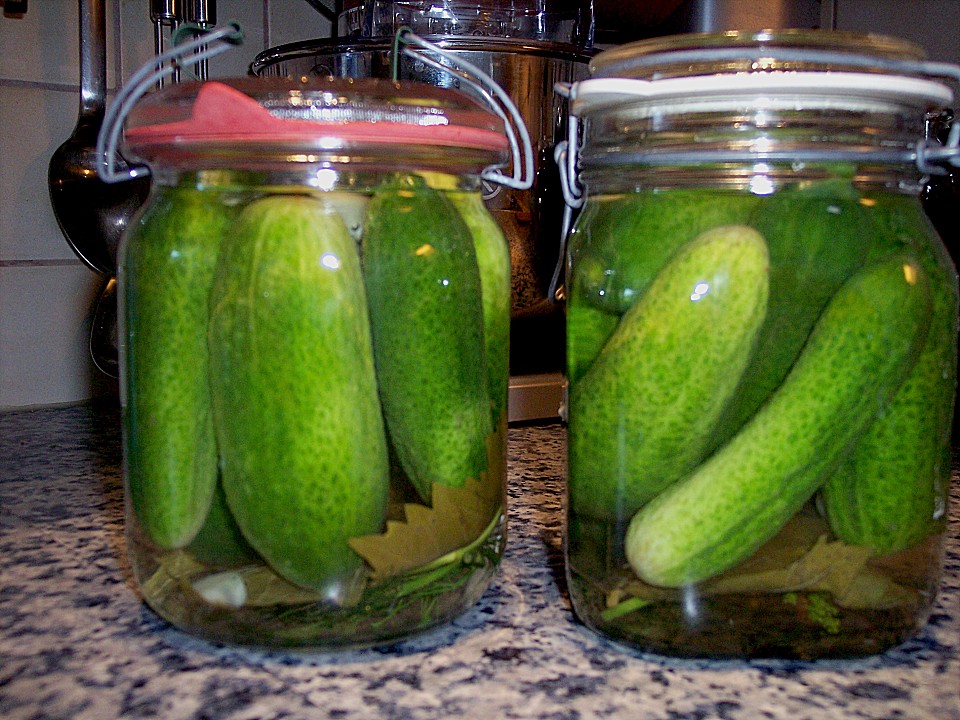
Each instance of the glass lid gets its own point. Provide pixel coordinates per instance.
(309, 119)
(738, 51)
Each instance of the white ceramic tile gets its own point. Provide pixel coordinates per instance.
(250, 15)
(44, 45)
(44, 323)
(34, 123)
(136, 31)
(295, 20)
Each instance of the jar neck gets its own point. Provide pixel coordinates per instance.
(758, 178)
(755, 144)
(299, 177)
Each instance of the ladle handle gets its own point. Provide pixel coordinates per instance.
(93, 59)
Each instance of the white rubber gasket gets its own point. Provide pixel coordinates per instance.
(770, 90)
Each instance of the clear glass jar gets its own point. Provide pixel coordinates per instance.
(761, 330)
(314, 312)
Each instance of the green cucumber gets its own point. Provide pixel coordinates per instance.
(618, 246)
(170, 449)
(303, 448)
(641, 416)
(220, 540)
(856, 358)
(891, 492)
(588, 329)
(817, 242)
(493, 261)
(632, 237)
(426, 311)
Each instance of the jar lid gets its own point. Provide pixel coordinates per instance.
(736, 51)
(778, 96)
(783, 69)
(255, 122)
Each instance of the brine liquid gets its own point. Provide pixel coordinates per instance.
(391, 610)
(775, 616)
(850, 524)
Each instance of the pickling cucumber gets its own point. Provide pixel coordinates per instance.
(816, 243)
(641, 415)
(303, 448)
(891, 492)
(857, 356)
(426, 311)
(493, 262)
(165, 276)
(618, 246)
(630, 238)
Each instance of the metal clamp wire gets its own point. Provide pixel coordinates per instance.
(206, 45)
(493, 95)
(574, 195)
(566, 152)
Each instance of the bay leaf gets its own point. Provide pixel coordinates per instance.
(801, 558)
(456, 518)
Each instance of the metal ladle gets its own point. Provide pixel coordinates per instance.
(92, 214)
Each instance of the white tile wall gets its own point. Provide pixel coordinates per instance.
(45, 292)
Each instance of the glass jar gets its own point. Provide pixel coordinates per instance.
(314, 312)
(761, 340)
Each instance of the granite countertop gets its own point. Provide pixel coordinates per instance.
(77, 642)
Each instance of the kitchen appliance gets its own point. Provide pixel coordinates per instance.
(619, 22)
(528, 69)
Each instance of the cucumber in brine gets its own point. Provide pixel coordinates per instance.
(424, 290)
(641, 416)
(858, 355)
(302, 443)
(166, 274)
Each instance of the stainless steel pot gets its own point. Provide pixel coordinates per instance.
(527, 71)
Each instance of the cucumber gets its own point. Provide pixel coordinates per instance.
(618, 246)
(632, 237)
(303, 448)
(166, 274)
(817, 242)
(220, 540)
(493, 261)
(588, 329)
(891, 492)
(641, 416)
(856, 358)
(423, 285)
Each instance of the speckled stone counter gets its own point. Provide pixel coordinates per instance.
(77, 642)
